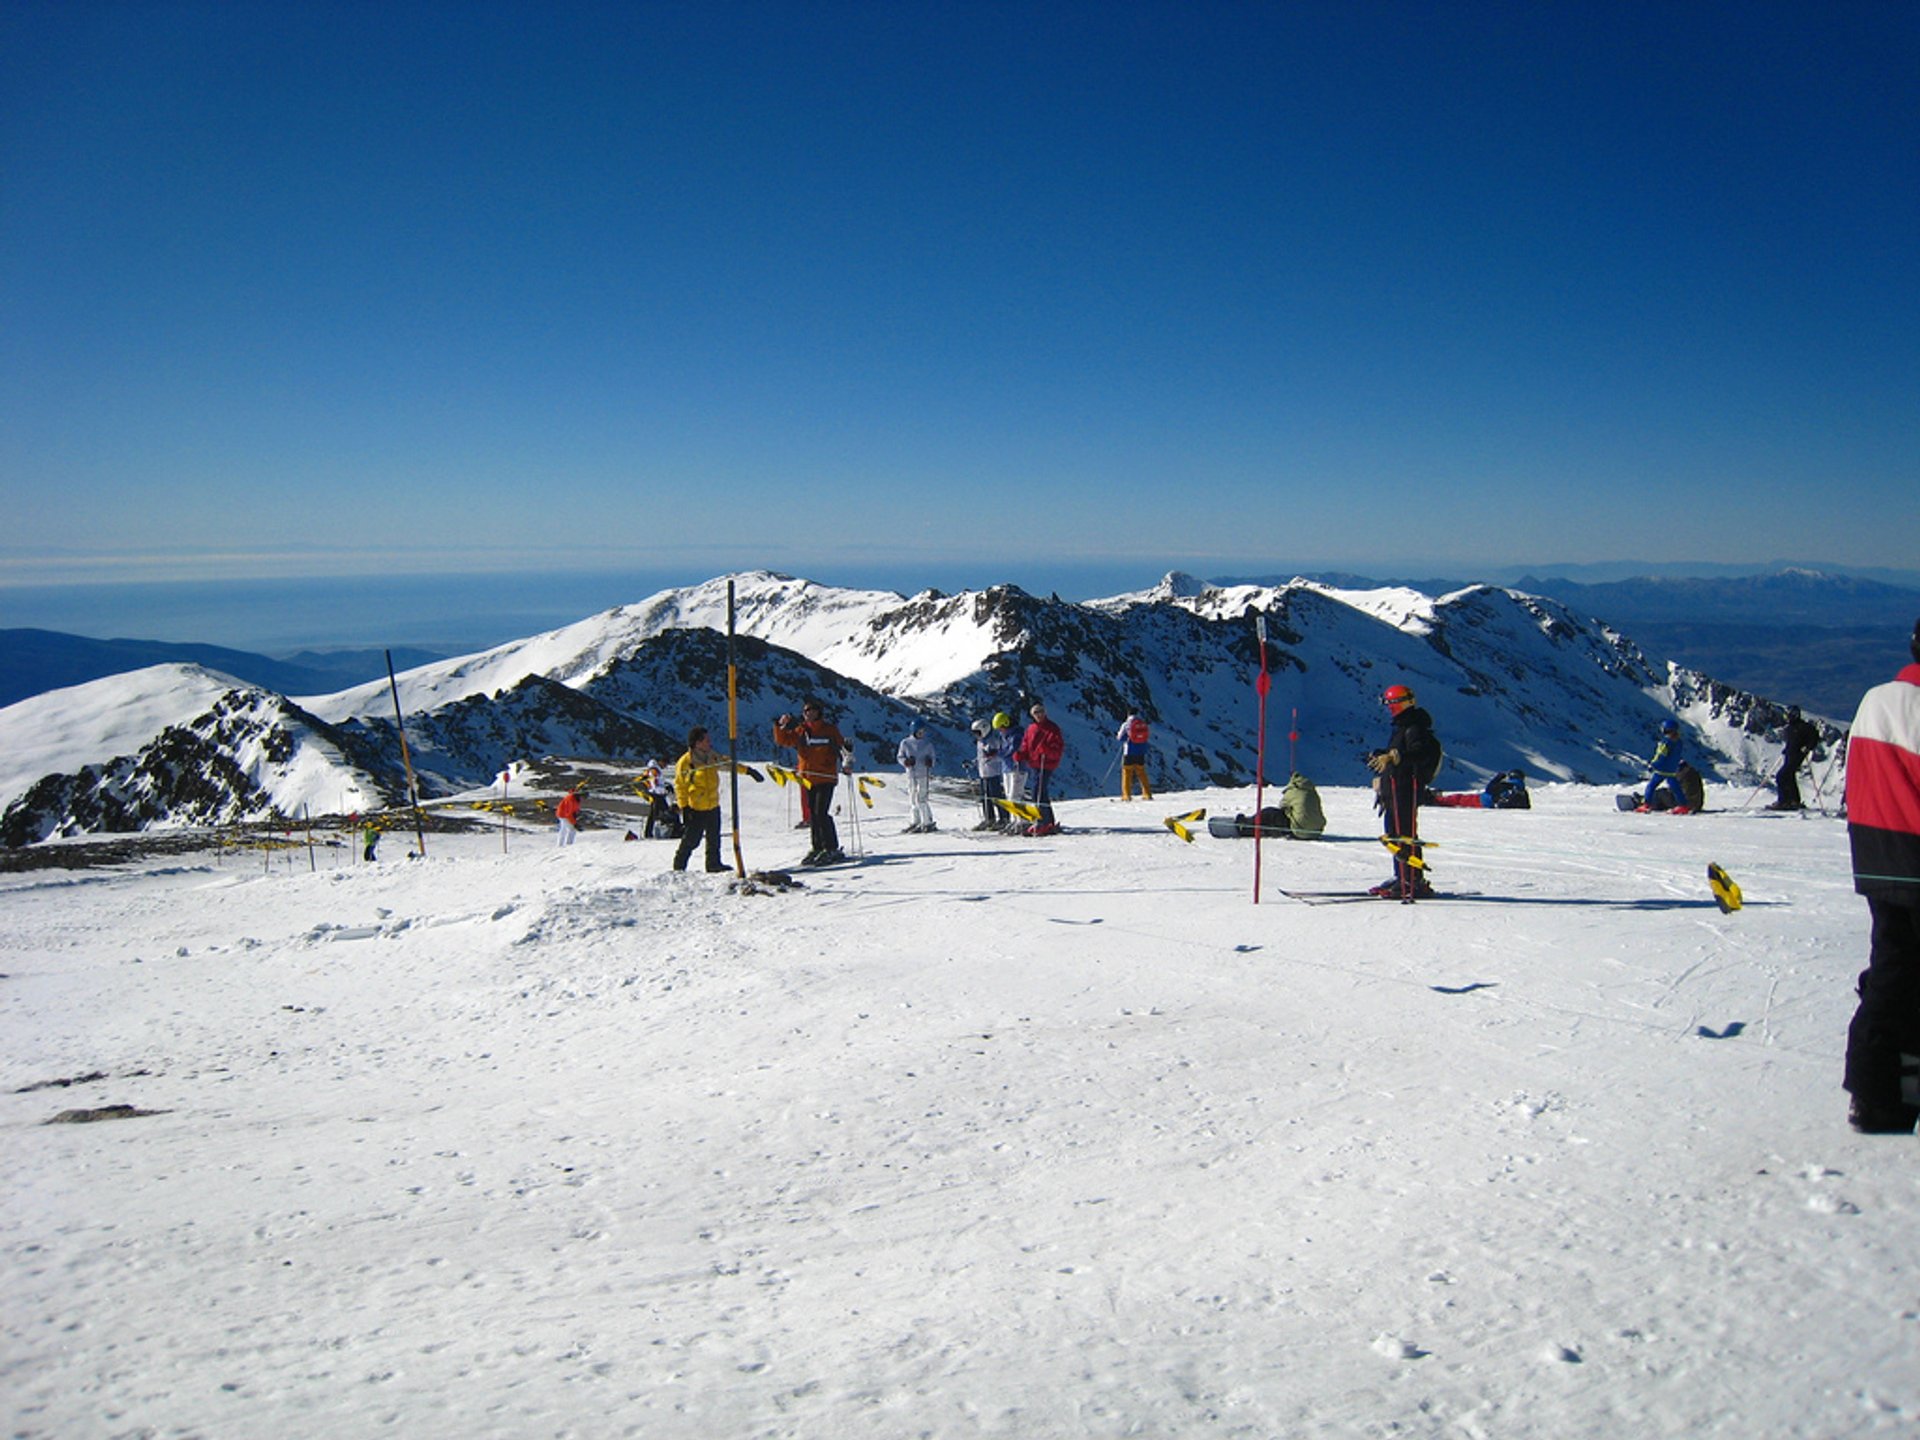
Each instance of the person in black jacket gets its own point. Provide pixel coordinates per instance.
(1801, 738)
(1410, 761)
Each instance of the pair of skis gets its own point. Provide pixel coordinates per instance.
(1726, 893)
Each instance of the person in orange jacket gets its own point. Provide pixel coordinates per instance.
(567, 812)
(820, 750)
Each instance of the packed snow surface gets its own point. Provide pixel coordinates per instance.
(985, 1136)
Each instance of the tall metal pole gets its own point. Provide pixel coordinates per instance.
(413, 785)
(733, 737)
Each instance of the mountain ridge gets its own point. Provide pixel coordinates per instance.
(1514, 681)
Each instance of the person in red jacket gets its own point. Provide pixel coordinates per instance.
(1040, 751)
(1883, 830)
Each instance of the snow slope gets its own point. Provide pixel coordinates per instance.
(988, 1136)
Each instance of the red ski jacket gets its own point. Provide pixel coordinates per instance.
(1883, 790)
(1042, 746)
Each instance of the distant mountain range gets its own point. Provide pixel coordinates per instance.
(1512, 679)
(36, 661)
(1813, 637)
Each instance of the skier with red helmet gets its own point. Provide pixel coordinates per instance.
(1408, 764)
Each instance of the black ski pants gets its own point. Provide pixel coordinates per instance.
(1888, 1020)
(1786, 785)
(820, 827)
(698, 826)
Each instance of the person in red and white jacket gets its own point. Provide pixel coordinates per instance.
(1883, 827)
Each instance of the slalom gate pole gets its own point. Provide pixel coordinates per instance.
(1261, 687)
(733, 736)
(505, 775)
(413, 785)
(1293, 743)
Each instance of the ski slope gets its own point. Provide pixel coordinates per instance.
(985, 1136)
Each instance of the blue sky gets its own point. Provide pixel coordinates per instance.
(886, 291)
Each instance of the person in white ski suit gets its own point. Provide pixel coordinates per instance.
(916, 759)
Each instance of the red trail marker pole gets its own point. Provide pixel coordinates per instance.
(1261, 687)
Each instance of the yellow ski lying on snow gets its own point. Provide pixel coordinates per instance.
(1726, 894)
(1178, 823)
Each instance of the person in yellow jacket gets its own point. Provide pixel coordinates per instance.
(696, 783)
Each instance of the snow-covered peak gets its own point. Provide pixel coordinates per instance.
(62, 730)
(1400, 606)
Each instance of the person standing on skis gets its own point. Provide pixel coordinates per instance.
(1012, 778)
(1041, 750)
(1801, 740)
(1401, 771)
(990, 762)
(1133, 736)
(820, 750)
(916, 761)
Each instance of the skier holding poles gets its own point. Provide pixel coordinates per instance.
(1133, 735)
(1041, 750)
(990, 756)
(1410, 761)
(819, 748)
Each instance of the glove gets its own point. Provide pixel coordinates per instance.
(1380, 763)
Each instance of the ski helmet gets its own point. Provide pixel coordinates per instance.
(1003, 721)
(1396, 696)
(980, 727)
(1669, 727)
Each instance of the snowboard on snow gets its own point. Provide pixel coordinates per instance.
(1631, 804)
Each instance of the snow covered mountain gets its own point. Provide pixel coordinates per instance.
(1512, 680)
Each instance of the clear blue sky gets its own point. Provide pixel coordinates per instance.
(960, 288)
